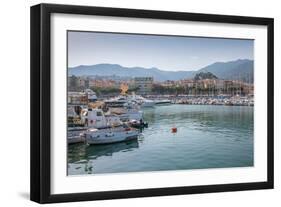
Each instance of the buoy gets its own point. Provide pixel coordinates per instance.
(174, 130)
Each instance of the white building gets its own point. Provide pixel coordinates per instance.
(144, 84)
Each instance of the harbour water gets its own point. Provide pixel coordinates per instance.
(207, 137)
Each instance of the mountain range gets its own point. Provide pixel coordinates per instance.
(241, 69)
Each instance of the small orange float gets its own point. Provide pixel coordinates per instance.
(174, 130)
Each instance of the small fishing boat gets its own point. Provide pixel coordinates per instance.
(106, 129)
(96, 118)
(110, 135)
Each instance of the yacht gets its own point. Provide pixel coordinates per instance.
(129, 111)
(122, 100)
(163, 101)
(118, 101)
(148, 103)
(143, 102)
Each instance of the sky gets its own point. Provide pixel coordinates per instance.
(172, 53)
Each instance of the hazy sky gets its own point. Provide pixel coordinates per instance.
(164, 52)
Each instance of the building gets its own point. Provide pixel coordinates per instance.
(213, 87)
(77, 98)
(81, 98)
(101, 83)
(72, 83)
(144, 84)
(169, 83)
(75, 83)
(187, 83)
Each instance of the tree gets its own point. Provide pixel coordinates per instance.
(204, 75)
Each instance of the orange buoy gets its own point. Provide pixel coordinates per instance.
(174, 130)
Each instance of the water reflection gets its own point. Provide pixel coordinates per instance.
(84, 153)
(96, 151)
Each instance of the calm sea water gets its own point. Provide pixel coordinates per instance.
(207, 137)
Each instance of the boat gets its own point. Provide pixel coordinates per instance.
(118, 101)
(143, 102)
(123, 100)
(162, 101)
(108, 129)
(91, 95)
(138, 124)
(129, 114)
(76, 135)
(96, 118)
(129, 111)
(109, 135)
(148, 103)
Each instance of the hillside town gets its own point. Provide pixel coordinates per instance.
(199, 86)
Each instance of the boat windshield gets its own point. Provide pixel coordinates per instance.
(99, 113)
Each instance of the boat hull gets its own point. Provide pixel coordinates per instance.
(76, 135)
(162, 102)
(148, 104)
(131, 116)
(75, 139)
(109, 137)
(111, 141)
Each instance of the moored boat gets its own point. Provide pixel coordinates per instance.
(130, 111)
(163, 102)
(76, 135)
(138, 124)
(96, 118)
(110, 135)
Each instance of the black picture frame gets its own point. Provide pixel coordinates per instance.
(41, 98)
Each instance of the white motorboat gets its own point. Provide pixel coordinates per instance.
(110, 135)
(118, 101)
(95, 118)
(131, 115)
(130, 111)
(148, 103)
(123, 100)
(105, 129)
(143, 102)
(163, 101)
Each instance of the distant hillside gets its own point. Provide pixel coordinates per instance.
(233, 70)
(204, 75)
(118, 70)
